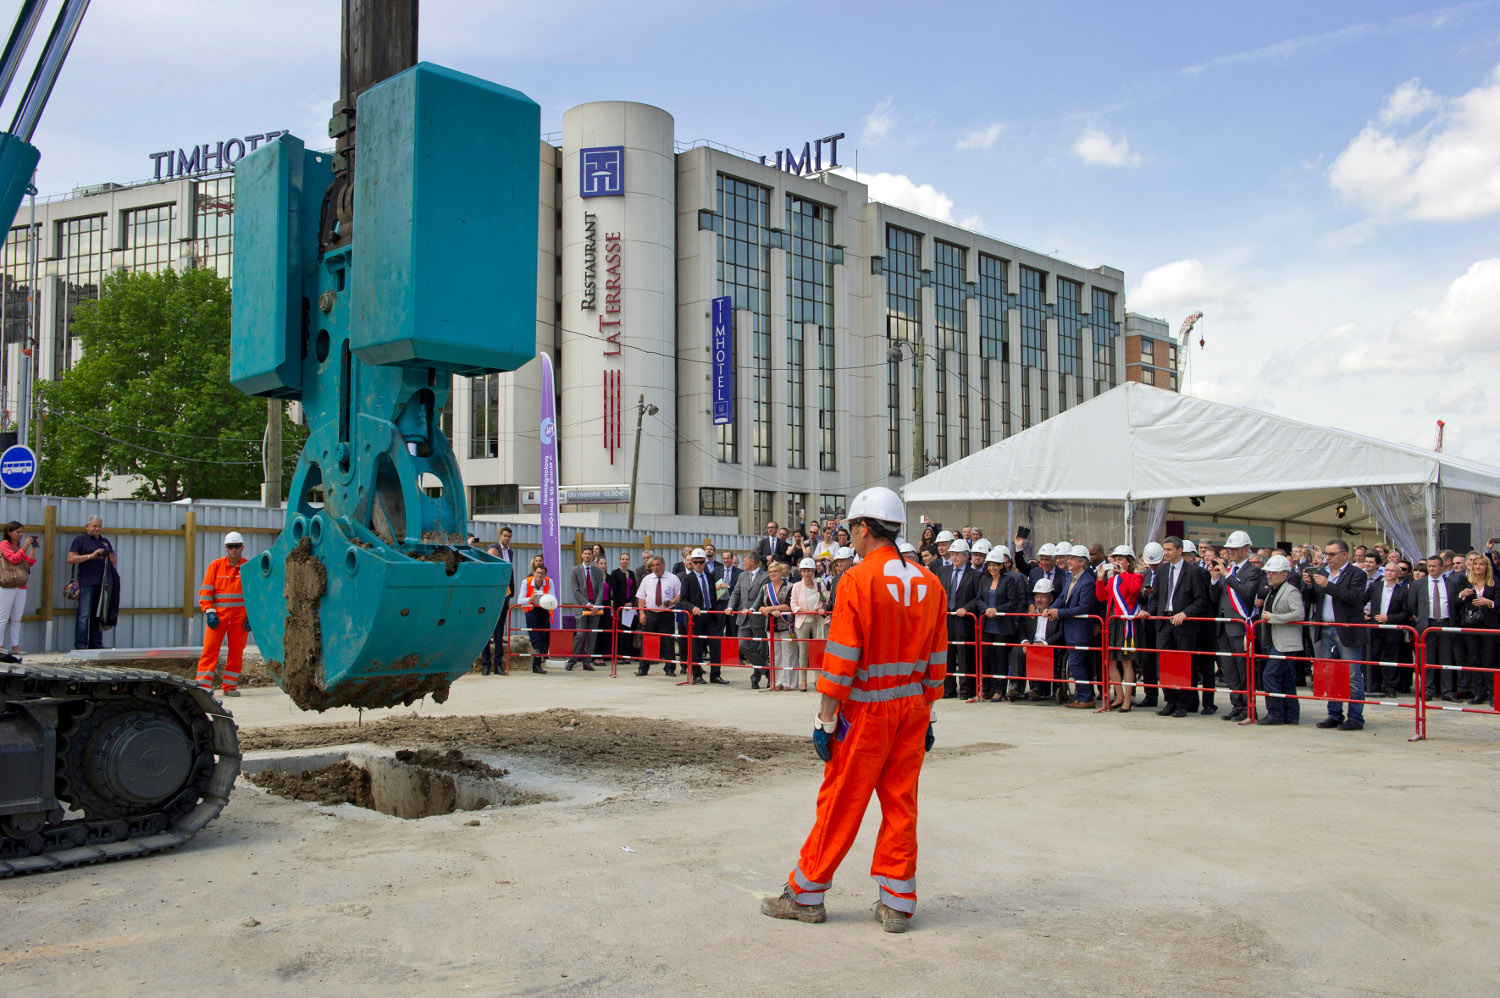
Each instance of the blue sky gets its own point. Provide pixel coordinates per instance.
(1322, 180)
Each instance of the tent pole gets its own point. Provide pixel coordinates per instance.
(1129, 524)
(1431, 493)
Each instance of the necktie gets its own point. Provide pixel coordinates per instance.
(953, 591)
(659, 602)
(1437, 607)
(588, 574)
(703, 588)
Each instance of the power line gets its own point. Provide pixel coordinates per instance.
(53, 408)
(161, 453)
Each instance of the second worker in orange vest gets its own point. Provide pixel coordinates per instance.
(883, 668)
(223, 603)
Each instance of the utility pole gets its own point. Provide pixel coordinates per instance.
(919, 425)
(641, 410)
(272, 497)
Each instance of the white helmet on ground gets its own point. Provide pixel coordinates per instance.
(981, 546)
(1188, 547)
(1042, 586)
(807, 563)
(879, 504)
(1047, 551)
(1079, 551)
(1238, 539)
(944, 536)
(844, 554)
(698, 553)
(1123, 549)
(960, 546)
(1278, 563)
(1152, 553)
(233, 537)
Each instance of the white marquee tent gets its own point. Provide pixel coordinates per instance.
(1148, 452)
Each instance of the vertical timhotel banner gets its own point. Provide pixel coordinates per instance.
(723, 360)
(548, 499)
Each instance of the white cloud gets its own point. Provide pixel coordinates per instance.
(1445, 170)
(879, 122)
(1349, 236)
(981, 138)
(1098, 149)
(973, 222)
(1175, 290)
(903, 192)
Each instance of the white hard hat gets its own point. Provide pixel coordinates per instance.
(944, 536)
(1061, 549)
(807, 563)
(1123, 549)
(960, 546)
(904, 547)
(1079, 551)
(1188, 547)
(844, 554)
(233, 537)
(547, 601)
(1042, 586)
(1002, 550)
(697, 553)
(1278, 563)
(1046, 551)
(997, 556)
(981, 546)
(880, 504)
(1238, 539)
(1152, 554)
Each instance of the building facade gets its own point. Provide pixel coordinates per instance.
(862, 344)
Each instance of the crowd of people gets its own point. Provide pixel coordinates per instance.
(1200, 600)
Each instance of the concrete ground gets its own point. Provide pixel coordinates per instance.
(1063, 853)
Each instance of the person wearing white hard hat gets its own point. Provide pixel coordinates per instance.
(1118, 590)
(1180, 592)
(944, 542)
(1074, 606)
(1284, 613)
(1145, 628)
(1047, 567)
(1002, 593)
(909, 553)
(1235, 585)
(977, 552)
(961, 583)
(1206, 658)
(1041, 629)
(807, 598)
(223, 604)
(843, 560)
(699, 594)
(538, 599)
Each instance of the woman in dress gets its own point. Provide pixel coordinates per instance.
(807, 598)
(539, 620)
(13, 598)
(1476, 608)
(997, 597)
(773, 599)
(1118, 588)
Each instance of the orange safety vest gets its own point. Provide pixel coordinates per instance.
(889, 637)
(221, 587)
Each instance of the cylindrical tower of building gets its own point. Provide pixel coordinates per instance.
(618, 325)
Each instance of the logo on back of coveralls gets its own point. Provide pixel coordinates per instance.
(899, 568)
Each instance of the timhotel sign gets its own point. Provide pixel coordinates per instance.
(209, 156)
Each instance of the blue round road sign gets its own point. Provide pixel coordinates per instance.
(17, 467)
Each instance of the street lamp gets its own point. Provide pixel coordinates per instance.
(642, 410)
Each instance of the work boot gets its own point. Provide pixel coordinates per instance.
(891, 920)
(231, 693)
(786, 906)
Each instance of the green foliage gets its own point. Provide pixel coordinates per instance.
(150, 396)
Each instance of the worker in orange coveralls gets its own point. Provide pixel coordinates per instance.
(223, 602)
(883, 668)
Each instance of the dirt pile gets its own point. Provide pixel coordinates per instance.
(451, 761)
(301, 670)
(340, 782)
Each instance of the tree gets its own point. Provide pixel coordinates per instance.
(150, 396)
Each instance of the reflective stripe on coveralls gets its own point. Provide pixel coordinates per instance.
(221, 593)
(885, 660)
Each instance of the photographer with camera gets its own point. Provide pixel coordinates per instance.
(98, 584)
(15, 572)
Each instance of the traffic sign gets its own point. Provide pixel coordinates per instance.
(17, 467)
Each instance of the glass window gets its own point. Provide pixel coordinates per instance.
(495, 499)
(1069, 336)
(1147, 347)
(214, 224)
(810, 300)
(744, 274)
(830, 506)
(148, 237)
(1105, 332)
(796, 510)
(1033, 319)
(765, 503)
(15, 270)
(80, 267)
(992, 346)
(484, 416)
(719, 502)
(951, 319)
(903, 262)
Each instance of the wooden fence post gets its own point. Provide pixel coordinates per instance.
(49, 543)
(190, 565)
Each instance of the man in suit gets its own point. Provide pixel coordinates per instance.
(1234, 585)
(1045, 567)
(500, 549)
(687, 559)
(1179, 593)
(1338, 594)
(1074, 606)
(622, 587)
(698, 597)
(589, 593)
(1039, 630)
(1283, 615)
(1434, 600)
(1389, 601)
(771, 547)
(1206, 661)
(752, 626)
(962, 586)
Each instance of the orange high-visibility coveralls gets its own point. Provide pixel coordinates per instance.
(221, 593)
(885, 660)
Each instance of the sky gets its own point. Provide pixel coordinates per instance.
(1321, 180)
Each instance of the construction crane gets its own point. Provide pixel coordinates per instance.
(1183, 332)
(95, 763)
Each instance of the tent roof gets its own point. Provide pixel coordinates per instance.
(1138, 442)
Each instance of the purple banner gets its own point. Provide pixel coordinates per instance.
(551, 527)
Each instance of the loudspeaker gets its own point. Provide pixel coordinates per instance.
(1455, 537)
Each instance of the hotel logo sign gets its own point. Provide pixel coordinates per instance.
(601, 171)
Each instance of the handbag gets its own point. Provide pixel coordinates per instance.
(13, 575)
(70, 591)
